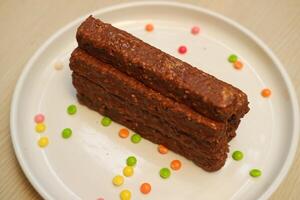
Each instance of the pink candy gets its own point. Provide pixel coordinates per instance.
(182, 49)
(39, 118)
(100, 199)
(195, 30)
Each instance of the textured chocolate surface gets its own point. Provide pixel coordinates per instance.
(151, 127)
(161, 72)
(138, 94)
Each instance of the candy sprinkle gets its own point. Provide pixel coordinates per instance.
(131, 161)
(72, 109)
(118, 180)
(162, 149)
(195, 30)
(149, 27)
(266, 92)
(43, 142)
(39, 118)
(66, 133)
(182, 49)
(175, 165)
(128, 171)
(238, 65)
(40, 127)
(106, 121)
(255, 173)
(136, 138)
(58, 65)
(164, 173)
(232, 58)
(145, 188)
(125, 195)
(237, 155)
(123, 133)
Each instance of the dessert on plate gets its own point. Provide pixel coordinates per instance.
(164, 99)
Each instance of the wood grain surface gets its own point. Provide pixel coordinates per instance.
(26, 24)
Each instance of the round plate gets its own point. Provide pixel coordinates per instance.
(82, 167)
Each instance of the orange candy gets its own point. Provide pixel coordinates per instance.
(149, 27)
(162, 149)
(238, 65)
(175, 165)
(123, 133)
(145, 188)
(266, 92)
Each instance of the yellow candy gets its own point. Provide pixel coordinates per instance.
(128, 171)
(118, 180)
(40, 127)
(125, 195)
(43, 142)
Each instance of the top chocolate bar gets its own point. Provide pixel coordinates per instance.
(162, 72)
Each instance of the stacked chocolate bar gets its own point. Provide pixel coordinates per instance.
(164, 99)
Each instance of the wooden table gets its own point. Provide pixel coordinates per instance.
(25, 25)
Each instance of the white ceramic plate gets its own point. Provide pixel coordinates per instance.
(83, 166)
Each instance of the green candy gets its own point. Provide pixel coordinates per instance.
(106, 121)
(232, 58)
(66, 133)
(164, 173)
(255, 173)
(136, 138)
(237, 155)
(131, 161)
(71, 109)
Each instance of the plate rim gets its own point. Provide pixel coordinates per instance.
(291, 91)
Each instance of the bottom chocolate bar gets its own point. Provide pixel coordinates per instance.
(148, 126)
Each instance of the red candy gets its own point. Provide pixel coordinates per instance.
(39, 118)
(195, 30)
(182, 49)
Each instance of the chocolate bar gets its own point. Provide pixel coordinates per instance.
(161, 72)
(147, 125)
(157, 118)
(164, 99)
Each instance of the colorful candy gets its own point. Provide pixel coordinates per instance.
(39, 118)
(118, 180)
(123, 133)
(162, 149)
(255, 173)
(175, 165)
(164, 173)
(182, 49)
(128, 171)
(43, 142)
(145, 188)
(149, 27)
(40, 127)
(106, 121)
(66, 133)
(238, 65)
(125, 195)
(136, 138)
(232, 58)
(131, 161)
(72, 109)
(195, 30)
(237, 155)
(266, 92)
